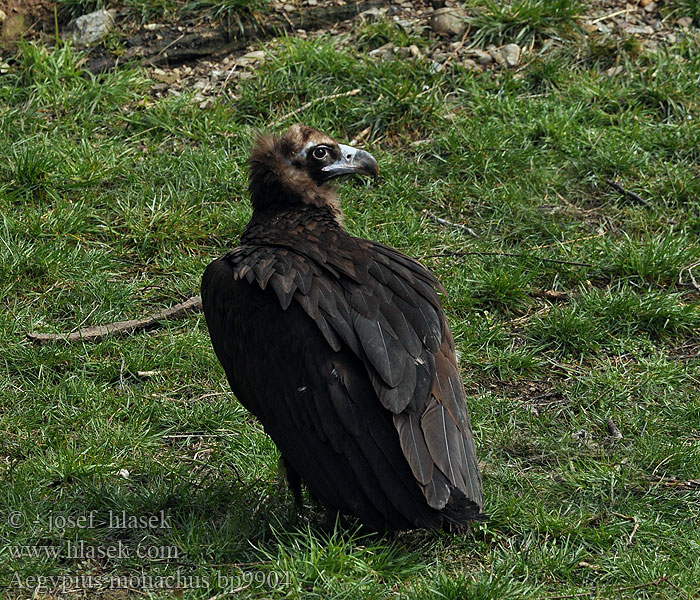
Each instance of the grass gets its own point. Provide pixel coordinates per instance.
(112, 202)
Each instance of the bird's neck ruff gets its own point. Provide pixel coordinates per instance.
(275, 184)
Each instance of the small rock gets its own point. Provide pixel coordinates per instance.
(651, 7)
(92, 27)
(435, 67)
(637, 30)
(384, 52)
(603, 28)
(415, 51)
(371, 14)
(255, 55)
(612, 71)
(163, 76)
(685, 22)
(124, 473)
(483, 58)
(671, 38)
(312, 2)
(14, 27)
(497, 56)
(289, 8)
(3, 16)
(448, 21)
(153, 26)
(511, 54)
(472, 66)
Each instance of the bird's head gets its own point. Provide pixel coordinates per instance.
(297, 166)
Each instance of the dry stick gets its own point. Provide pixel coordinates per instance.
(616, 590)
(511, 254)
(99, 332)
(634, 529)
(631, 195)
(690, 268)
(303, 107)
(441, 221)
(617, 13)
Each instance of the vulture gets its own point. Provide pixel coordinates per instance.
(340, 347)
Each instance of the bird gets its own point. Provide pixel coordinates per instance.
(340, 347)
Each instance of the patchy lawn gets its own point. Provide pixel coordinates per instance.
(574, 303)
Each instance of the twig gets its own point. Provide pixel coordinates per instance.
(617, 13)
(175, 41)
(99, 332)
(361, 136)
(615, 590)
(631, 195)
(306, 105)
(441, 221)
(634, 529)
(689, 268)
(614, 430)
(510, 254)
(458, 48)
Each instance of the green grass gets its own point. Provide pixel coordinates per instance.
(112, 203)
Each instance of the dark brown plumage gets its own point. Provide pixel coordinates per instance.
(340, 346)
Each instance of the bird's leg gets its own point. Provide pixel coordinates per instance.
(289, 478)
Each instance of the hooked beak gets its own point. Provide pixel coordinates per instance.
(352, 162)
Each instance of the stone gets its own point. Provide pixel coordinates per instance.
(497, 56)
(612, 71)
(92, 27)
(13, 28)
(164, 76)
(384, 52)
(415, 51)
(312, 2)
(449, 21)
(483, 58)
(685, 22)
(651, 7)
(511, 54)
(3, 16)
(255, 55)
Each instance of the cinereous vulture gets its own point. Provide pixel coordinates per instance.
(340, 347)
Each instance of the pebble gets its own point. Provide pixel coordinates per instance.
(92, 27)
(483, 58)
(3, 16)
(511, 54)
(651, 7)
(685, 22)
(448, 21)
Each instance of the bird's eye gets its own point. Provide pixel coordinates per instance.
(320, 153)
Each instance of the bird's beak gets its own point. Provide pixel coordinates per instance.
(352, 162)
